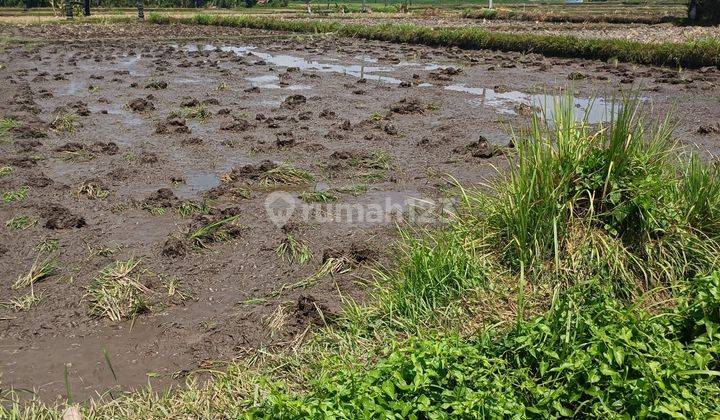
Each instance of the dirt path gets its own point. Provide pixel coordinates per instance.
(116, 141)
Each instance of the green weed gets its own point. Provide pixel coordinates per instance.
(189, 208)
(20, 223)
(17, 195)
(285, 175)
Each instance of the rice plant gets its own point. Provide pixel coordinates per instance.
(5, 171)
(378, 160)
(65, 122)
(38, 271)
(189, 208)
(20, 223)
(118, 292)
(285, 175)
(294, 250)
(153, 209)
(6, 124)
(318, 196)
(16, 195)
(25, 302)
(217, 231)
(331, 267)
(48, 245)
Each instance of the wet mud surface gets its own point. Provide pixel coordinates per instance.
(123, 149)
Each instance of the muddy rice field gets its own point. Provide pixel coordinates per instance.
(212, 169)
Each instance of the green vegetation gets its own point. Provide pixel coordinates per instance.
(569, 16)
(38, 271)
(92, 190)
(285, 175)
(17, 195)
(217, 231)
(582, 282)
(118, 292)
(317, 196)
(5, 171)
(692, 54)
(189, 208)
(20, 223)
(6, 124)
(294, 250)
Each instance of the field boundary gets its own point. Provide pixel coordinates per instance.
(695, 54)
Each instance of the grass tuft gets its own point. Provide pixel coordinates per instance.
(294, 250)
(117, 292)
(65, 122)
(38, 271)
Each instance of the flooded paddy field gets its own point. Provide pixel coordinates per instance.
(243, 183)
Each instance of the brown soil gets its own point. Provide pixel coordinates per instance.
(160, 125)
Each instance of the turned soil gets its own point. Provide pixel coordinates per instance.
(120, 127)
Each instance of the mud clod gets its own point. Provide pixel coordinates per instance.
(408, 106)
(141, 105)
(58, 217)
(294, 100)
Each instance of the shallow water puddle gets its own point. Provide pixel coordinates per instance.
(283, 60)
(268, 82)
(597, 110)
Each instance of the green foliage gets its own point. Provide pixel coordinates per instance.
(589, 356)
(16, 195)
(692, 54)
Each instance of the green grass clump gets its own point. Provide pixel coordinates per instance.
(17, 195)
(285, 175)
(20, 223)
(92, 190)
(117, 292)
(217, 231)
(294, 250)
(6, 124)
(5, 171)
(189, 208)
(318, 196)
(690, 54)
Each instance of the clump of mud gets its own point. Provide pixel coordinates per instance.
(58, 217)
(141, 105)
(408, 106)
